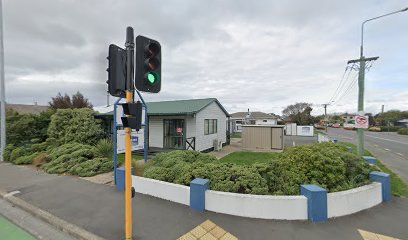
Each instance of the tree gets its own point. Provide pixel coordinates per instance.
(62, 102)
(390, 116)
(79, 101)
(299, 113)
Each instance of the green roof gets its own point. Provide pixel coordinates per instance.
(180, 107)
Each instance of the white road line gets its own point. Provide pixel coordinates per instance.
(11, 194)
(400, 154)
(386, 149)
(386, 139)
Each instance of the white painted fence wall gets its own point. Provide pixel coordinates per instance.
(353, 200)
(164, 190)
(257, 206)
(263, 206)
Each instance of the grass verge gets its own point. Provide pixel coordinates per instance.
(236, 135)
(398, 186)
(249, 158)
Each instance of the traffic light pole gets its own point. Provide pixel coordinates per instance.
(130, 46)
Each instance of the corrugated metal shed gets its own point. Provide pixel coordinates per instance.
(262, 137)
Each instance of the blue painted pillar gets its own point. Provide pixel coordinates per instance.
(120, 178)
(370, 160)
(316, 202)
(385, 181)
(197, 193)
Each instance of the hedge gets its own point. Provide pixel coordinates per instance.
(403, 131)
(328, 165)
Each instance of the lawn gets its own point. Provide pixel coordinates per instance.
(398, 186)
(248, 158)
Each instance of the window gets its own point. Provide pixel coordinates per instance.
(210, 126)
(264, 120)
(238, 122)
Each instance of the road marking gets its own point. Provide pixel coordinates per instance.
(374, 236)
(386, 149)
(11, 194)
(386, 139)
(400, 154)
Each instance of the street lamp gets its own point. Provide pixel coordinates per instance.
(374, 18)
(362, 60)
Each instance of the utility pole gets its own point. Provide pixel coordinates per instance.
(2, 90)
(325, 114)
(362, 60)
(361, 74)
(382, 108)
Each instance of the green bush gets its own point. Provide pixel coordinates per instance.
(328, 165)
(389, 128)
(22, 128)
(16, 153)
(104, 148)
(28, 159)
(75, 125)
(7, 152)
(77, 159)
(403, 131)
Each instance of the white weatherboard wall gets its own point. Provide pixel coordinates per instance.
(212, 111)
(354, 200)
(164, 190)
(257, 206)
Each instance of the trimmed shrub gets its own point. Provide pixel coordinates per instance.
(104, 148)
(26, 159)
(7, 152)
(75, 125)
(328, 165)
(403, 131)
(16, 153)
(78, 159)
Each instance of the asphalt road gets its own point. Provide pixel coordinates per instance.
(390, 147)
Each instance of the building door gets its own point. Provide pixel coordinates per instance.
(174, 134)
(277, 138)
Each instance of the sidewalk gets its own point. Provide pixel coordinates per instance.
(100, 209)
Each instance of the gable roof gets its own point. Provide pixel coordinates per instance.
(181, 107)
(171, 108)
(253, 115)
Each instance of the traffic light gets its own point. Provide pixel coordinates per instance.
(148, 65)
(117, 71)
(133, 120)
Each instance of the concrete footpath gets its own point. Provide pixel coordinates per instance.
(100, 209)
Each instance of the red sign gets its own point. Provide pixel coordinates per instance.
(179, 130)
(361, 121)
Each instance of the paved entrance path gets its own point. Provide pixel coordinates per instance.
(10, 231)
(100, 209)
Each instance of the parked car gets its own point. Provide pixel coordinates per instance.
(336, 125)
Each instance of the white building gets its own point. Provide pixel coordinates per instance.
(186, 124)
(253, 118)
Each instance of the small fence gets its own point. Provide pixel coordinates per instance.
(314, 203)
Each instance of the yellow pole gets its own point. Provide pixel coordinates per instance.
(128, 176)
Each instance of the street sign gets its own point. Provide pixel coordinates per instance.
(361, 122)
(137, 140)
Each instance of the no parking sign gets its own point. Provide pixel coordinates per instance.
(361, 122)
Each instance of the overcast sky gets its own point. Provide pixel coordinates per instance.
(261, 55)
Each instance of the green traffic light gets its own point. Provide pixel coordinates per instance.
(152, 77)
